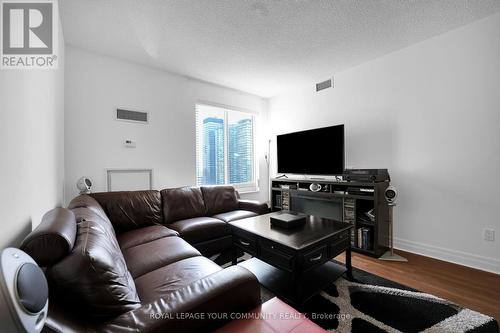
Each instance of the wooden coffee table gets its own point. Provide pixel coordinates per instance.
(295, 264)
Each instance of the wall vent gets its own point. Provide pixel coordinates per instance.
(324, 85)
(135, 116)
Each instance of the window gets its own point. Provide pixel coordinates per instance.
(225, 147)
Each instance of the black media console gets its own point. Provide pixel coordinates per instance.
(361, 204)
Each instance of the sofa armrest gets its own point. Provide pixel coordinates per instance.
(253, 206)
(201, 306)
(53, 238)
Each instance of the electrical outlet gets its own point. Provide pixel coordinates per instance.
(489, 235)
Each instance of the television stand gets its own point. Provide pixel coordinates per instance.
(361, 204)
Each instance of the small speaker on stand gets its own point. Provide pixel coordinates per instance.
(314, 187)
(390, 196)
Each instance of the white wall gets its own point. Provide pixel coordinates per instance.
(96, 85)
(31, 147)
(429, 113)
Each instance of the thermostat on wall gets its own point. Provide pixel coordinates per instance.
(130, 144)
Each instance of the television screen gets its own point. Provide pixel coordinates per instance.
(314, 152)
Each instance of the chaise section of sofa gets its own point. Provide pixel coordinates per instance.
(184, 210)
(114, 265)
(203, 305)
(200, 215)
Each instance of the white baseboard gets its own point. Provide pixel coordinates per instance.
(487, 264)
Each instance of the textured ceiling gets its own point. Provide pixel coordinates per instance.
(260, 46)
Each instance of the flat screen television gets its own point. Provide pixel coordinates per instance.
(318, 151)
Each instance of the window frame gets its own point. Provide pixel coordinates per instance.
(247, 187)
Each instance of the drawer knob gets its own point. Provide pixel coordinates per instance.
(317, 257)
(244, 243)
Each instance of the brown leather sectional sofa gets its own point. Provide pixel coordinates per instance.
(132, 261)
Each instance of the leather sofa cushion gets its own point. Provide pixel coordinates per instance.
(164, 280)
(142, 259)
(53, 238)
(259, 208)
(219, 199)
(144, 235)
(129, 210)
(200, 229)
(182, 203)
(94, 276)
(234, 215)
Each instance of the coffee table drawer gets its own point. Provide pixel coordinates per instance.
(247, 244)
(340, 236)
(274, 255)
(315, 257)
(339, 247)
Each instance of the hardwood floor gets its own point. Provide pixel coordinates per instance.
(471, 288)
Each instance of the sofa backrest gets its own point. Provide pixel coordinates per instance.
(84, 207)
(219, 199)
(84, 264)
(182, 203)
(129, 210)
(93, 276)
(86, 201)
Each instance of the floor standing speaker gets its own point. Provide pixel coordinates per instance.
(23, 293)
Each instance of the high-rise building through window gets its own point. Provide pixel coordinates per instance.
(224, 146)
(240, 152)
(213, 151)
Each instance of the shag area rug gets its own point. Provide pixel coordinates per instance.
(370, 303)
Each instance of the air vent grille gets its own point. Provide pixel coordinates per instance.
(128, 115)
(324, 85)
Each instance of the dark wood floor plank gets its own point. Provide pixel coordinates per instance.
(471, 288)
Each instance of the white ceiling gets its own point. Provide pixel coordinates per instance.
(260, 46)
